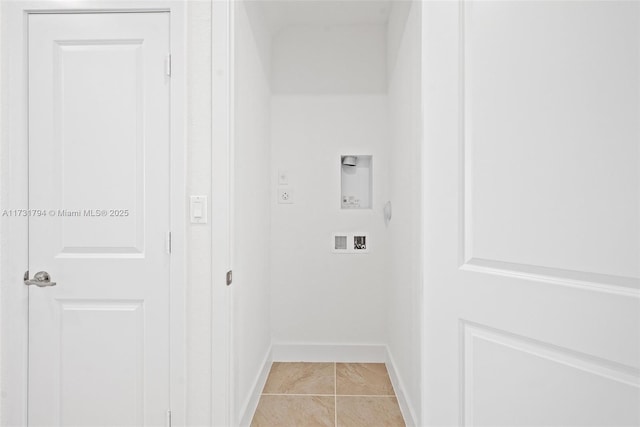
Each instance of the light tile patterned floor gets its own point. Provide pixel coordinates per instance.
(328, 394)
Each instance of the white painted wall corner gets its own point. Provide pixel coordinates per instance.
(408, 412)
(251, 404)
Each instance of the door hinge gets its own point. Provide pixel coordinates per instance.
(167, 65)
(229, 277)
(168, 242)
(168, 422)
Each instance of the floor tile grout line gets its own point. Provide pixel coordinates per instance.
(335, 393)
(366, 395)
(299, 394)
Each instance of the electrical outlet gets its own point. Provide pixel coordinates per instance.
(285, 195)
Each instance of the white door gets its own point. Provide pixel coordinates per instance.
(99, 173)
(532, 213)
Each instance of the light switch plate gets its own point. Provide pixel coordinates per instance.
(198, 210)
(283, 177)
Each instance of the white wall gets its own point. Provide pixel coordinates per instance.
(13, 297)
(405, 285)
(252, 219)
(322, 59)
(2, 196)
(261, 34)
(319, 297)
(330, 83)
(198, 245)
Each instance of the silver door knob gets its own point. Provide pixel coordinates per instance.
(41, 279)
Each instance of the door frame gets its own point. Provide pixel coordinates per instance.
(14, 180)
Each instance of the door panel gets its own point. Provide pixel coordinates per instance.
(532, 213)
(99, 174)
(109, 73)
(557, 114)
(538, 384)
(80, 319)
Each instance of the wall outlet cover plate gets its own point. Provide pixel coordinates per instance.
(285, 195)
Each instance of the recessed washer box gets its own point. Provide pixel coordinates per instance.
(356, 176)
(350, 243)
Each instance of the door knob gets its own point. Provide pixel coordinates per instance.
(41, 279)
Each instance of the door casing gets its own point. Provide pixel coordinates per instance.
(14, 167)
(222, 42)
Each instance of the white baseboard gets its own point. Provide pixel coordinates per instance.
(344, 353)
(251, 404)
(398, 387)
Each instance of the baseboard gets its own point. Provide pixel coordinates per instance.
(251, 404)
(407, 412)
(345, 353)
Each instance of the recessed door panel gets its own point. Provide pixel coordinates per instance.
(98, 84)
(87, 393)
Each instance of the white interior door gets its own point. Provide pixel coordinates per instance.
(99, 173)
(532, 213)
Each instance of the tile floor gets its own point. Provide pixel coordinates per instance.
(328, 394)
